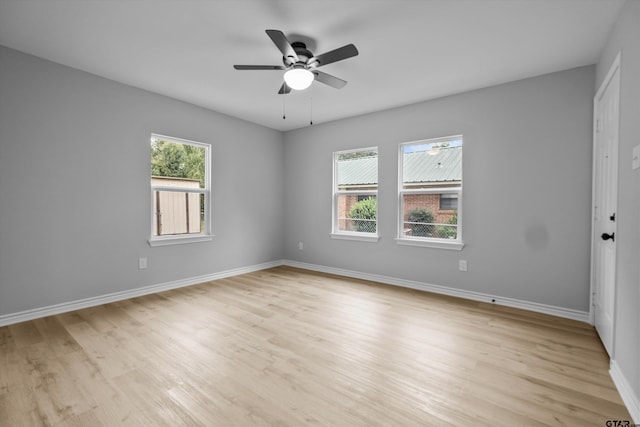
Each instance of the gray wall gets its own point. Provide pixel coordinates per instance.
(74, 216)
(527, 190)
(74, 186)
(626, 38)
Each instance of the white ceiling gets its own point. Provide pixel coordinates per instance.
(410, 50)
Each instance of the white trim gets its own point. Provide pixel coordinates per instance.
(567, 313)
(433, 140)
(356, 192)
(615, 67)
(360, 237)
(435, 190)
(430, 243)
(178, 140)
(178, 189)
(179, 240)
(453, 245)
(22, 316)
(206, 191)
(335, 232)
(51, 310)
(357, 150)
(631, 401)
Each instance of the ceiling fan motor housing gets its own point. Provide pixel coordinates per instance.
(303, 56)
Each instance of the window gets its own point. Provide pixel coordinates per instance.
(430, 190)
(355, 194)
(448, 202)
(180, 187)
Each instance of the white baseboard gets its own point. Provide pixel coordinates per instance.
(631, 401)
(626, 392)
(568, 313)
(22, 316)
(51, 310)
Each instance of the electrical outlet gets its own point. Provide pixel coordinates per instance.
(462, 265)
(300, 246)
(142, 263)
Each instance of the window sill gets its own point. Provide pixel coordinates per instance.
(361, 237)
(179, 240)
(438, 244)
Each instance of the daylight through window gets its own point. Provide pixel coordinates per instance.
(430, 192)
(355, 194)
(180, 190)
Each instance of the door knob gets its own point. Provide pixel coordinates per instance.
(606, 236)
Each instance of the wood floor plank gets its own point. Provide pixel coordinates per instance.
(19, 408)
(290, 347)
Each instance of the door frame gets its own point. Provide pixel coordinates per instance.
(615, 67)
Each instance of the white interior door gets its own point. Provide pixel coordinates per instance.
(605, 192)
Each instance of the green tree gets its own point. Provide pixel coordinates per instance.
(363, 215)
(421, 222)
(175, 160)
(357, 155)
(448, 231)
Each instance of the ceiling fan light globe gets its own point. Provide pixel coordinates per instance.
(298, 78)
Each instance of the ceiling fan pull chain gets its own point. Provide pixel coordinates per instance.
(284, 95)
(311, 112)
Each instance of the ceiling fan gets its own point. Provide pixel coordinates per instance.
(301, 64)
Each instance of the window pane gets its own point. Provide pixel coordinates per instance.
(355, 188)
(357, 170)
(427, 165)
(356, 212)
(448, 202)
(177, 165)
(183, 162)
(177, 212)
(424, 218)
(431, 173)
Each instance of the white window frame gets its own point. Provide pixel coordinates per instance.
(351, 235)
(207, 234)
(430, 242)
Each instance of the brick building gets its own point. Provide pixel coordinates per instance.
(426, 171)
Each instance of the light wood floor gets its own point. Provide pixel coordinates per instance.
(291, 347)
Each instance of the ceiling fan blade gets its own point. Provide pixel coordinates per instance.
(284, 89)
(328, 79)
(283, 44)
(338, 54)
(259, 67)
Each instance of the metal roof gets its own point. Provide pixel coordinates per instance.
(358, 171)
(443, 165)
